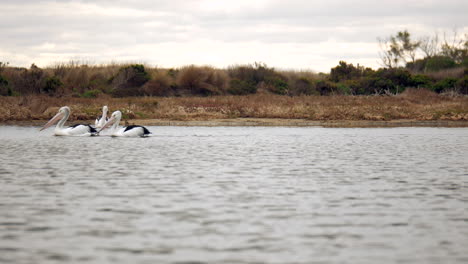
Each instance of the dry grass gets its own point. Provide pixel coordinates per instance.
(415, 104)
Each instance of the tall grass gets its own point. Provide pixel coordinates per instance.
(419, 104)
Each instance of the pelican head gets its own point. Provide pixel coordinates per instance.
(62, 114)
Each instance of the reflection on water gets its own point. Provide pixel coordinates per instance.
(235, 195)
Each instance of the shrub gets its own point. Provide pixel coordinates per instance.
(438, 63)
(91, 94)
(130, 76)
(241, 87)
(418, 65)
(421, 80)
(5, 89)
(52, 84)
(30, 81)
(159, 85)
(277, 85)
(98, 81)
(303, 86)
(391, 80)
(325, 87)
(343, 88)
(202, 80)
(462, 85)
(444, 85)
(128, 80)
(354, 86)
(346, 71)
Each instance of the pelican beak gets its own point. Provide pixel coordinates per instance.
(108, 123)
(52, 121)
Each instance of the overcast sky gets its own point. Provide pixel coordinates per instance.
(286, 34)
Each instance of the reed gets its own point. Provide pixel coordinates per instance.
(417, 104)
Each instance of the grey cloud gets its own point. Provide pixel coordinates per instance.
(26, 25)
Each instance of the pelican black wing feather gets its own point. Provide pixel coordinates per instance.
(145, 130)
(91, 129)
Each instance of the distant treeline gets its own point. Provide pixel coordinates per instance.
(443, 69)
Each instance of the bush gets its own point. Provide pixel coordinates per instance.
(421, 80)
(438, 63)
(418, 65)
(128, 80)
(98, 81)
(462, 85)
(4, 89)
(346, 71)
(29, 81)
(159, 85)
(91, 94)
(444, 85)
(241, 87)
(354, 86)
(52, 84)
(202, 80)
(303, 86)
(130, 76)
(278, 85)
(342, 88)
(325, 87)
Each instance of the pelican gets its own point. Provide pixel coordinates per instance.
(76, 130)
(128, 131)
(100, 121)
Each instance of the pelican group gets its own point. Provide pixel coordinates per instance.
(102, 123)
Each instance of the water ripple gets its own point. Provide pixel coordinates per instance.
(236, 195)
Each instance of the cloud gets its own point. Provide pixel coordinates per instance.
(286, 34)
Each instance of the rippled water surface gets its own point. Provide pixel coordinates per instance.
(235, 195)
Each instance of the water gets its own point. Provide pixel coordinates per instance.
(235, 195)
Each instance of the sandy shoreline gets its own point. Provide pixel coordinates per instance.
(269, 122)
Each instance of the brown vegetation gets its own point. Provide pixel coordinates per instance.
(418, 104)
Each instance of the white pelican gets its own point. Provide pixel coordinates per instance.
(100, 121)
(76, 130)
(129, 131)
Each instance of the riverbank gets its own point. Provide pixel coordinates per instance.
(268, 122)
(414, 107)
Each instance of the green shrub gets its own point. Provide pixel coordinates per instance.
(52, 84)
(303, 86)
(260, 73)
(421, 80)
(241, 87)
(91, 94)
(438, 63)
(418, 65)
(343, 88)
(5, 90)
(325, 87)
(98, 81)
(346, 71)
(29, 81)
(127, 81)
(354, 86)
(278, 85)
(444, 85)
(462, 85)
(130, 76)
